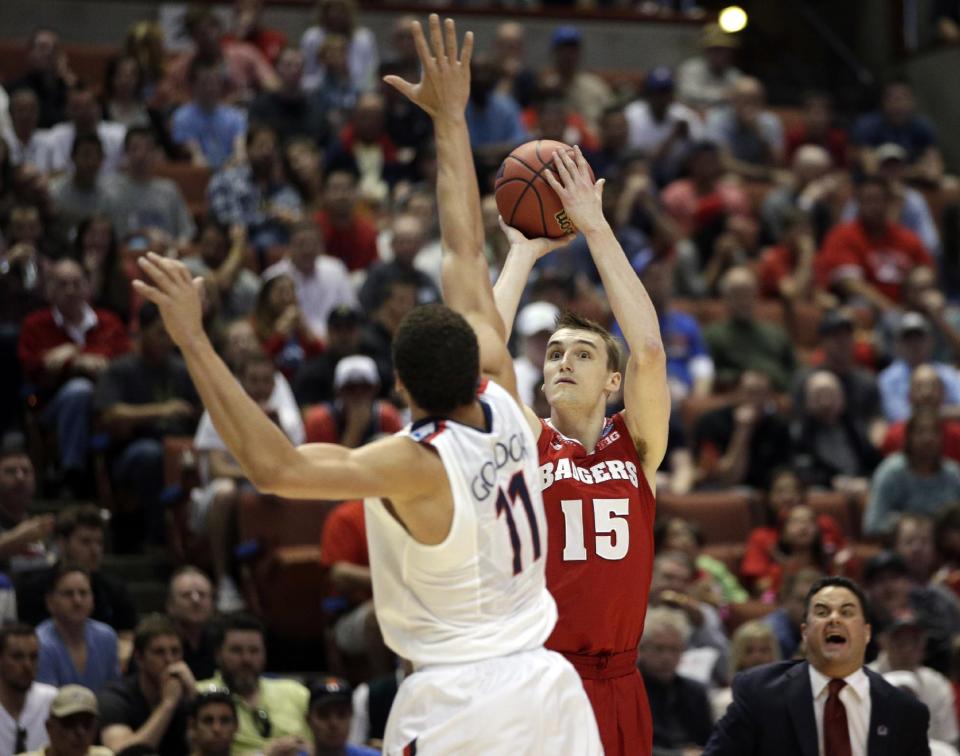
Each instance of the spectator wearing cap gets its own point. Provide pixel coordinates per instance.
(868, 258)
(902, 643)
(330, 715)
(660, 126)
(586, 92)
(270, 710)
(254, 193)
(149, 706)
(707, 79)
(898, 122)
(321, 282)
(213, 505)
(313, 382)
(213, 724)
(535, 324)
(75, 649)
(140, 398)
(343, 552)
(817, 127)
(911, 208)
(62, 350)
(24, 702)
(915, 348)
(926, 390)
(407, 238)
(72, 725)
(838, 354)
(355, 416)
(893, 592)
(918, 479)
(751, 135)
(922, 292)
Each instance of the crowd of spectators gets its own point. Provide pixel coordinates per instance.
(802, 262)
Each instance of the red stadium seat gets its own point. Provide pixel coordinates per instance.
(839, 507)
(192, 181)
(722, 516)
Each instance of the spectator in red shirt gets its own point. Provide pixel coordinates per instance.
(926, 390)
(818, 127)
(869, 257)
(786, 268)
(281, 327)
(355, 416)
(348, 234)
(63, 350)
(343, 551)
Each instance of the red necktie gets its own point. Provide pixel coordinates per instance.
(836, 734)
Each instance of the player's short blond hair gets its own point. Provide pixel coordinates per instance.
(576, 322)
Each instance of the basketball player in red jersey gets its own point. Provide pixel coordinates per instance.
(597, 472)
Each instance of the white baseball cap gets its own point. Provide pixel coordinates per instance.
(537, 317)
(357, 368)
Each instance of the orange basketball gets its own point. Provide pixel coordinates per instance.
(524, 198)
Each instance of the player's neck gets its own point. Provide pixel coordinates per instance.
(574, 423)
(471, 414)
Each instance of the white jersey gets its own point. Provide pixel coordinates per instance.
(482, 592)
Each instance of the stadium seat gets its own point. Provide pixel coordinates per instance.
(192, 181)
(737, 614)
(839, 506)
(723, 517)
(283, 579)
(88, 62)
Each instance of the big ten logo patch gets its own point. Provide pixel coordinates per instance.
(566, 225)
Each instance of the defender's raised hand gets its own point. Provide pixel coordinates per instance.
(444, 86)
(535, 248)
(582, 197)
(176, 293)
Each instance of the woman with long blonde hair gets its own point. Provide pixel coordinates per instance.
(753, 644)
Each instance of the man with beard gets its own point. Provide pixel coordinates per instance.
(149, 707)
(24, 703)
(271, 712)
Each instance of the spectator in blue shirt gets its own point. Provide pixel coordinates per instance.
(256, 193)
(915, 345)
(330, 715)
(208, 129)
(74, 649)
(898, 122)
(493, 118)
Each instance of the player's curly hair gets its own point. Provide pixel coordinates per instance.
(436, 356)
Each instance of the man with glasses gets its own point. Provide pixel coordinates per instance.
(24, 702)
(272, 712)
(72, 725)
(213, 723)
(149, 707)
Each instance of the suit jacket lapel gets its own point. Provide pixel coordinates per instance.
(881, 716)
(798, 696)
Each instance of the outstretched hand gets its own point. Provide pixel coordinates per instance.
(537, 248)
(176, 293)
(582, 197)
(444, 86)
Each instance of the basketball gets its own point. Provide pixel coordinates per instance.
(524, 198)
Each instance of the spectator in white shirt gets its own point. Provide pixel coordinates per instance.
(84, 114)
(322, 282)
(706, 80)
(25, 140)
(24, 703)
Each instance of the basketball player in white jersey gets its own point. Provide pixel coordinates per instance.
(455, 521)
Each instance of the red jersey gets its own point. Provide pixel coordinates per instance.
(600, 513)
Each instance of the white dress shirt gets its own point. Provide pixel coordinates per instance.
(33, 718)
(855, 696)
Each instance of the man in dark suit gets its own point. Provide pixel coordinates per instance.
(830, 704)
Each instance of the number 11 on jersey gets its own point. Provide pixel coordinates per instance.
(518, 489)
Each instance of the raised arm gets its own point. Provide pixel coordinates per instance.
(442, 93)
(390, 467)
(646, 396)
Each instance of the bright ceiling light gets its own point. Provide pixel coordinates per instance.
(733, 19)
